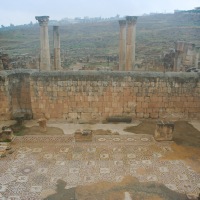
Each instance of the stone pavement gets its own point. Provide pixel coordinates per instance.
(32, 171)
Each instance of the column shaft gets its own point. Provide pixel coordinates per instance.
(44, 43)
(197, 57)
(122, 45)
(1, 65)
(178, 61)
(179, 50)
(56, 41)
(130, 42)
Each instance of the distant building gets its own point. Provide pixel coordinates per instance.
(194, 11)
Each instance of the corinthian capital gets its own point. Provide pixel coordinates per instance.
(131, 20)
(43, 20)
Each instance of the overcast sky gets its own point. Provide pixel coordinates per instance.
(24, 11)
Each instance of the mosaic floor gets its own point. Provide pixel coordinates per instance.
(39, 161)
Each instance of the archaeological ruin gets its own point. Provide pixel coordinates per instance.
(95, 96)
(127, 43)
(56, 42)
(44, 43)
(113, 132)
(158, 56)
(186, 55)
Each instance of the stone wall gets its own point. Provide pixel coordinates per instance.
(19, 92)
(15, 94)
(84, 96)
(4, 98)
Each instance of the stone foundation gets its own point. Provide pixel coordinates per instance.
(93, 95)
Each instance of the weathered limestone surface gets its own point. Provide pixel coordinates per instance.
(19, 95)
(44, 43)
(130, 42)
(89, 95)
(43, 124)
(6, 135)
(1, 65)
(4, 97)
(197, 57)
(15, 94)
(164, 131)
(122, 45)
(186, 55)
(56, 41)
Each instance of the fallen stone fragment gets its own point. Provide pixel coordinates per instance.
(164, 131)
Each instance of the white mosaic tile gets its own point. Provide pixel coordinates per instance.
(39, 162)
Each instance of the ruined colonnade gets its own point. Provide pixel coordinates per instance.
(127, 43)
(45, 64)
(186, 55)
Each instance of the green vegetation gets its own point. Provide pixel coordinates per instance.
(155, 34)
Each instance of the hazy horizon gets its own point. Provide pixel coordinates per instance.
(24, 11)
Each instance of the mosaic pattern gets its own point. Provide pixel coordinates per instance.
(39, 161)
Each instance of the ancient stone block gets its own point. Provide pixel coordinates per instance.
(6, 134)
(73, 115)
(86, 117)
(154, 115)
(83, 136)
(140, 115)
(127, 119)
(43, 124)
(146, 115)
(164, 131)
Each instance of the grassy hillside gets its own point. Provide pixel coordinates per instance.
(155, 34)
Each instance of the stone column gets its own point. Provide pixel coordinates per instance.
(122, 45)
(178, 61)
(179, 50)
(1, 65)
(44, 43)
(56, 44)
(130, 42)
(197, 57)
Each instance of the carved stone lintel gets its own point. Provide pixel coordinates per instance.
(43, 20)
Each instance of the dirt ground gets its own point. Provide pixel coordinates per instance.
(186, 138)
(186, 147)
(129, 187)
(35, 130)
(184, 133)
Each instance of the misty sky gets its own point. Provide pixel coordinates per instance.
(24, 11)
